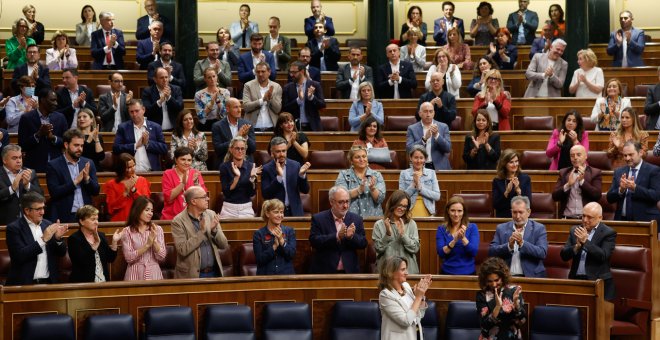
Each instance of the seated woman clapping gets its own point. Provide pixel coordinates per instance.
(572, 133)
(628, 130)
(89, 250)
(274, 244)
(482, 147)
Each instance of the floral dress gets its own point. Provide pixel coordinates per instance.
(509, 320)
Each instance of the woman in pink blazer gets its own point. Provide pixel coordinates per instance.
(572, 132)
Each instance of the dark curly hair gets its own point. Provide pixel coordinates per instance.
(493, 265)
(362, 134)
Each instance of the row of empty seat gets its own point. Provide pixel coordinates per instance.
(350, 320)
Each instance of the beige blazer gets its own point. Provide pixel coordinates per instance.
(535, 74)
(251, 96)
(399, 322)
(187, 242)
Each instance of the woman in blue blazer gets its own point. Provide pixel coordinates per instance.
(274, 244)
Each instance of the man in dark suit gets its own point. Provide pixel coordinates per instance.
(224, 130)
(448, 21)
(325, 50)
(73, 97)
(41, 77)
(396, 78)
(40, 132)
(173, 68)
(336, 235)
(444, 103)
(162, 101)
(71, 179)
(522, 24)
(635, 187)
(34, 243)
(15, 181)
(318, 16)
(149, 145)
(543, 43)
(277, 44)
(256, 54)
(577, 185)
(303, 99)
(143, 22)
(112, 104)
(284, 178)
(590, 247)
(148, 49)
(522, 243)
(313, 73)
(652, 106)
(349, 76)
(108, 48)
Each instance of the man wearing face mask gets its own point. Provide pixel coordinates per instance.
(284, 179)
(24, 102)
(32, 68)
(577, 185)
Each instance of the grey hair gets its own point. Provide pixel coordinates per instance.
(156, 22)
(9, 148)
(105, 14)
(559, 41)
(277, 141)
(523, 199)
(419, 148)
(334, 190)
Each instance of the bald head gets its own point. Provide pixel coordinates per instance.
(437, 80)
(392, 51)
(578, 156)
(193, 191)
(592, 214)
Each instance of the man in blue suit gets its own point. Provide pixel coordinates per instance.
(284, 178)
(522, 24)
(626, 44)
(522, 243)
(142, 31)
(150, 144)
(543, 43)
(318, 16)
(175, 69)
(325, 50)
(108, 48)
(224, 130)
(635, 187)
(336, 235)
(40, 132)
(249, 59)
(313, 73)
(148, 50)
(396, 78)
(303, 98)
(162, 100)
(448, 21)
(433, 136)
(41, 77)
(71, 179)
(33, 257)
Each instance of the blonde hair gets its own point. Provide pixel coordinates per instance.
(56, 35)
(496, 74)
(387, 269)
(270, 205)
(589, 56)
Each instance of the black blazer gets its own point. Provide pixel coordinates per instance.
(651, 107)
(271, 188)
(331, 55)
(406, 86)
(64, 102)
(43, 81)
(597, 264)
(446, 113)
(312, 107)
(179, 79)
(327, 251)
(142, 31)
(83, 261)
(155, 113)
(501, 204)
(483, 160)
(9, 203)
(39, 150)
(144, 54)
(645, 197)
(24, 250)
(222, 136)
(591, 189)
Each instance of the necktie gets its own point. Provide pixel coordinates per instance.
(629, 206)
(108, 56)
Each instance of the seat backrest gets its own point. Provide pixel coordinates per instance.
(430, 322)
(478, 205)
(543, 206)
(457, 124)
(307, 203)
(46, 327)
(642, 121)
(359, 42)
(261, 157)
(229, 322)
(107, 164)
(332, 159)
(555, 267)
(555, 323)
(330, 123)
(64, 265)
(227, 261)
(110, 327)
(482, 254)
(642, 89)
(168, 267)
(246, 260)
(462, 320)
(609, 209)
(5, 264)
(355, 320)
(287, 321)
(535, 160)
(632, 273)
(655, 160)
(599, 160)
(399, 123)
(159, 203)
(588, 125)
(169, 323)
(538, 123)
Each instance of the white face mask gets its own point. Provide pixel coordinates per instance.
(29, 91)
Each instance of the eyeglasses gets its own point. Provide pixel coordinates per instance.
(201, 197)
(38, 209)
(117, 81)
(239, 148)
(343, 202)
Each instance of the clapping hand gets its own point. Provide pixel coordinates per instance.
(129, 96)
(304, 168)
(395, 77)
(350, 231)
(615, 140)
(116, 237)
(549, 72)
(422, 286)
(243, 131)
(310, 92)
(581, 235)
(25, 177)
(256, 170)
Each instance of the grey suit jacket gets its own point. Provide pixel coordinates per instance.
(283, 56)
(107, 111)
(344, 78)
(224, 76)
(251, 96)
(441, 147)
(536, 73)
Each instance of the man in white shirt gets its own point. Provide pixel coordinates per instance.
(33, 244)
(396, 78)
(352, 74)
(547, 72)
(262, 99)
(112, 104)
(277, 44)
(162, 101)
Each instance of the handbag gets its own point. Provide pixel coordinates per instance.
(379, 155)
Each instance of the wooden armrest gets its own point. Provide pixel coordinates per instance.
(634, 303)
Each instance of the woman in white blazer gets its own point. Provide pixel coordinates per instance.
(401, 307)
